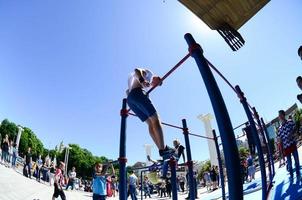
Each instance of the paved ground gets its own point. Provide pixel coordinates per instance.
(14, 186)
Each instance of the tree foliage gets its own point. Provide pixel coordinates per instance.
(243, 153)
(8, 128)
(82, 159)
(206, 166)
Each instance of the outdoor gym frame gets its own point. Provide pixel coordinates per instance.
(228, 140)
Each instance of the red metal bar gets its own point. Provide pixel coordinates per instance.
(170, 72)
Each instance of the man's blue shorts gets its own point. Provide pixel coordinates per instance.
(140, 104)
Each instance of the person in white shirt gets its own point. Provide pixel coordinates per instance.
(72, 176)
(141, 105)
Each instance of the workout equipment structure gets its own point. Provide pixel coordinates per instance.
(227, 135)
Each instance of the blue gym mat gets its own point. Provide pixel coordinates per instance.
(251, 191)
(284, 188)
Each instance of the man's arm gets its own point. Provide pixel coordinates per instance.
(184, 156)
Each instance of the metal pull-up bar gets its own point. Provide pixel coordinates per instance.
(170, 72)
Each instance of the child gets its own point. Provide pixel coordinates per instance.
(99, 181)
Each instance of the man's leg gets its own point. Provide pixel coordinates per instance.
(156, 131)
(297, 163)
(29, 170)
(132, 192)
(289, 164)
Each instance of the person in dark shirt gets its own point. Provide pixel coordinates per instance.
(286, 132)
(178, 152)
(5, 147)
(28, 161)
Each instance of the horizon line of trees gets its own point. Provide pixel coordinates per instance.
(82, 159)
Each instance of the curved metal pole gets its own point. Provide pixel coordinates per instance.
(256, 140)
(256, 115)
(223, 120)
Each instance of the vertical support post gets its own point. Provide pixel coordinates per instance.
(142, 185)
(122, 159)
(256, 140)
(172, 164)
(221, 175)
(189, 161)
(223, 120)
(269, 147)
(265, 143)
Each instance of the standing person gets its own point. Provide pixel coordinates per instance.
(15, 154)
(59, 181)
(108, 186)
(162, 189)
(52, 171)
(177, 183)
(280, 152)
(168, 187)
(71, 178)
(251, 168)
(141, 105)
(99, 181)
(207, 179)
(286, 133)
(113, 185)
(146, 187)
(217, 176)
(213, 176)
(182, 181)
(28, 162)
(5, 150)
(39, 165)
(10, 152)
(132, 185)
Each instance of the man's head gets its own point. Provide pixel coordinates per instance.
(299, 82)
(281, 115)
(300, 52)
(176, 142)
(73, 169)
(29, 149)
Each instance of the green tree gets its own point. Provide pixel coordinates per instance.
(8, 128)
(29, 139)
(206, 166)
(243, 152)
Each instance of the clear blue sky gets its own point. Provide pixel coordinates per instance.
(64, 68)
